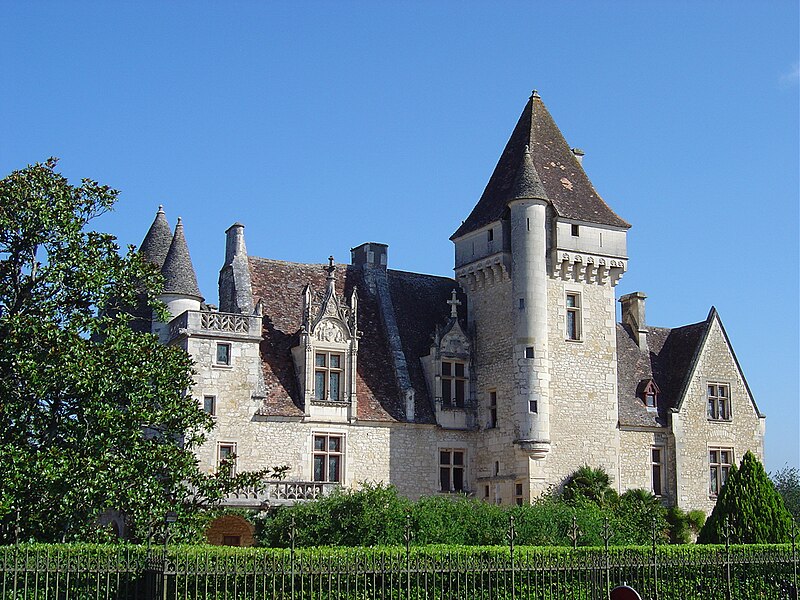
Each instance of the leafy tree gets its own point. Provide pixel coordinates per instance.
(590, 484)
(751, 506)
(638, 511)
(684, 526)
(92, 415)
(787, 482)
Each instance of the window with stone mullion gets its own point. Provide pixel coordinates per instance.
(454, 383)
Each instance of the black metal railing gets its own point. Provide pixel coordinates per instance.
(723, 572)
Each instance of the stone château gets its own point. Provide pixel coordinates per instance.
(499, 382)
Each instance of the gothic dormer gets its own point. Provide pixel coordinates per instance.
(325, 358)
(448, 372)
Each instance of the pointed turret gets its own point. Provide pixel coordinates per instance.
(527, 184)
(563, 179)
(178, 272)
(158, 239)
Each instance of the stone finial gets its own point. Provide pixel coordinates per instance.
(454, 303)
(535, 94)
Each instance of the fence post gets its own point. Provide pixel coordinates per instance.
(794, 556)
(655, 561)
(292, 533)
(726, 532)
(407, 537)
(512, 533)
(607, 535)
(574, 533)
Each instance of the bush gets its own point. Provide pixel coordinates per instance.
(592, 484)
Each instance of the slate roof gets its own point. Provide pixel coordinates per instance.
(178, 271)
(158, 239)
(565, 182)
(419, 303)
(668, 362)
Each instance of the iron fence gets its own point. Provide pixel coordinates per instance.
(724, 572)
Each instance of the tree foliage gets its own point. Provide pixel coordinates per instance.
(787, 482)
(92, 415)
(749, 510)
(590, 484)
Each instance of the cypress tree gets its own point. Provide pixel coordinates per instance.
(752, 506)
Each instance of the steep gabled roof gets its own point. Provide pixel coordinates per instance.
(565, 182)
(178, 271)
(158, 239)
(419, 303)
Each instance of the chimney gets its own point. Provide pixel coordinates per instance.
(235, 293)
(633, 317)
(370, 253)
(234, 242)
(578, 154)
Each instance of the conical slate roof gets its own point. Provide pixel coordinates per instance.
(527, 184)
(565, 183)
(158, 239)
(178, 272)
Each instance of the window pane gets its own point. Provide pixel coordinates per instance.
(319, 385)
(656, 453)
(223, 354)
(335, 386)
(519, 489)
(713, 456)
(444, 457)
(319, 467)
(335, 361)
(447, 391)
(333, 468)
(334, 444)
(460, 392)
(209, 404)
(723, 391)
(319, 442)
(533, 406)
(458, 458)
(459, 369)
(713, 477)
(320, 360)
(657, 480)
(711, 390)
(444, 479)
(572, 329)
(723, 475)
(458, 479)
(225, 452)
(571, 300)
(446, 368)
(724, 457)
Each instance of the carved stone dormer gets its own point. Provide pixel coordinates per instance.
(325, 359)
(448, 372)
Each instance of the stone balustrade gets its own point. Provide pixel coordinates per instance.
(216, 324)
(278, 493)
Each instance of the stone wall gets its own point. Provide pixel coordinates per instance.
(635, 470)
(695, 433)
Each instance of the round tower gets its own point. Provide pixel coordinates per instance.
(528, 210)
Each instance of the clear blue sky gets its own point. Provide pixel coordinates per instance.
(322, 125)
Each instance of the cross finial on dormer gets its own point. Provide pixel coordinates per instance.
(331, 268)
(454, 303)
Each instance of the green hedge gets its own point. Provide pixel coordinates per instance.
(452, 572)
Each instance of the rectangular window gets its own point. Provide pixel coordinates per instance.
(226, 457)
(454, 384)
(327, 376)
(533, 406)
(657, 470)
(210, 404)
(719, 464)
(492, 409)
(451, 469)
(486, 492)
(519, 498)
(491, 235)
(573, 316)
(223, 354)
(529, 352)
(576, 230)
(328, 457)
(719, 402)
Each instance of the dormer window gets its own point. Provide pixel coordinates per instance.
(454, 383)
(648, 394)
(327, 376)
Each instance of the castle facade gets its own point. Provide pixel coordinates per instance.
(499, 382)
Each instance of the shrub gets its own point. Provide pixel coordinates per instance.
(593, 484)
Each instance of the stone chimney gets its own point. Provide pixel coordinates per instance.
(235, 293)
(633, 317)
(370, 253)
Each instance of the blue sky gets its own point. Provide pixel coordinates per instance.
(322, 125)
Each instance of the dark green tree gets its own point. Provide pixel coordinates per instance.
(748, 507)
(638, 511)
(787, 482)
(590, 484)
(92, 415)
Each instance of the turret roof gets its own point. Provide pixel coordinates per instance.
(178, 272)
(527, 183)
(563, 179)
(158, 239)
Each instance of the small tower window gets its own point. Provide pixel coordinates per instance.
(576, 230)
(490, 235)
(492, 409)
(223, 357)
(573, 316)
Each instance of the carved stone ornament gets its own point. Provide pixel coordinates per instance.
(329, 331)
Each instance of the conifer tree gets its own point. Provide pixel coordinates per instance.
(752, 507)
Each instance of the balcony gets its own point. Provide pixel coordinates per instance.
(215, 324)
(278, 493)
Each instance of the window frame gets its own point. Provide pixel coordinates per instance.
(657, 467)
(451, 467)
(213, 398)
(492, 410)
(453, 379)
(229, 361)
(573, 319)
(718, 470)
(328, 372)
(327, 453)
(519, 493)
(231, 446)
(718, 406)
